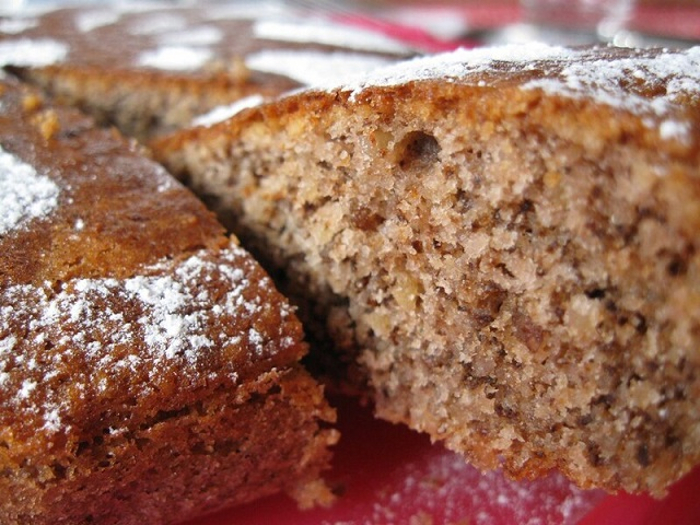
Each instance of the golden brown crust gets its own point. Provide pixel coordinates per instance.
(142, 103)
(122, 211)
(152, 72)
(148, 366)
(507, 242)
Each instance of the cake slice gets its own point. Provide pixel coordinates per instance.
(503, 241)
(150, 68)
(149, 369)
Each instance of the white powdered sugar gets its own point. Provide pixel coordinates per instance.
(321, 31)
(25, 8)
(7, 344)
(673, 129)
(24, 193)
(460, 64)
(314, 68)
(165, 180)
(87, 21)
(52, 420)
(572, 73)
(175, 58)
(27, 52)
(164, 319)
(158, 23)
(678, 72)
(442, 485)
(244, 10)
(221, 113)
(13, 26)
(140, 6)
(192, 36)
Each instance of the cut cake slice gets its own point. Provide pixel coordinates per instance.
(502, 241)
(149, 369)
(150, 68)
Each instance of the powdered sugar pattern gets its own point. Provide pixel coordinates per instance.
(24, 193)
(618, 80)
(221, 113)
(120, 328)
(460, 64)
(244, 10)
(87, 21)
(306, 30)
(673, 129)
(192, 36)
(449, 490)
(158, 24)
(175, 58)
(314, 67)
(678, 73)
(27, 52)
(14, 26)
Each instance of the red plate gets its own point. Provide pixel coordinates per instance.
(390, 475)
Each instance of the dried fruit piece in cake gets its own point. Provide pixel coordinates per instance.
(506, 237)
(148, 367)
(152, 69)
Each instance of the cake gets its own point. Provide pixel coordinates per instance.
(502, 242)
(149, 369)
(150, 68)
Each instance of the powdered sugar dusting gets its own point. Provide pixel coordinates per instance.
(645, 83)
(678, 73)
(166, 182)
(443, 486)
(13, 26)
(134, 6)
(314, 67)
(673, 129)
(122, 329)
(460, 64)
(305, 30)
(87, 21)
(221, 113)
(175, 58)
(158, 23)
(244, 10)
(24, 194)
(27, 52)
(192, 36)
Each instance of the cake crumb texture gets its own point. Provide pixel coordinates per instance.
(505, 242)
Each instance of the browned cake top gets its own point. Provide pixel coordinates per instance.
(237, 40)
(661, 86)
(82, 201)
(118, 292)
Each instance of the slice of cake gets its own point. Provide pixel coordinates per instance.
(152, 68)
(148, 367)
(503, 240)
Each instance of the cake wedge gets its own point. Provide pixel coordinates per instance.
(500, 242)
(149, 369)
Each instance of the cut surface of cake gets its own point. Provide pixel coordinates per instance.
(148, 366)
(150, 68)
(504, 242)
